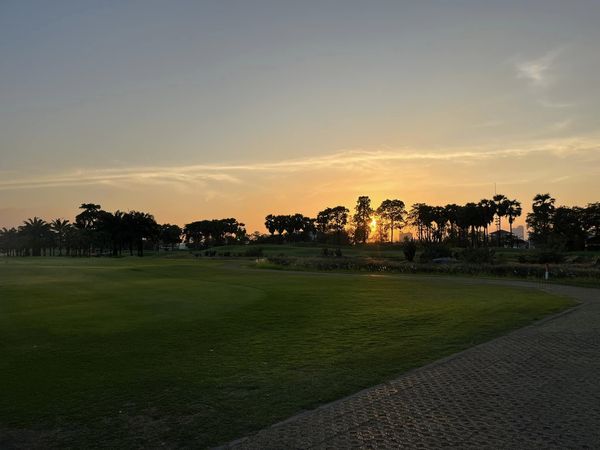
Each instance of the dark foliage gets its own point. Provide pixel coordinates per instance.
(409, 248)
(254, 252)
(477, 255)
(434, 251)
(543, 257)
(535, 271)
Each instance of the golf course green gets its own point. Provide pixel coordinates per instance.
(177, 352)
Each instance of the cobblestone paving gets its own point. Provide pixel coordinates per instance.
(538, 387)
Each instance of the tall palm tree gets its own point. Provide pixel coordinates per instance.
(487, 211)
(501, 203)
(513, 210)
(60, 228)
(470, 219)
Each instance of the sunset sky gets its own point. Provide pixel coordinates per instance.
(210, 109)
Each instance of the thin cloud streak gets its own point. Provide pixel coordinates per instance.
(231, 173)
(537, 71)
(556, 105)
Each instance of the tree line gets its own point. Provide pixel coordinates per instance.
(99, 232)
(473, 224)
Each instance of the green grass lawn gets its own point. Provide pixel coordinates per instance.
(138, 353)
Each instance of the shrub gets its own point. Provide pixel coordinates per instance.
(383, 265)
(254, 252)
(409, 248)
(433, 251)
(550, 257)
(543, 257)
(477, 255)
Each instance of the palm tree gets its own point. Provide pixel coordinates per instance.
(513, 210)
(539, 220)
(60, 228)
(36, 232)
(501, 204)
(487, 211)
(470, 217)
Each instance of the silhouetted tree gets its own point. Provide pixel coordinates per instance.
(36, 234)
(362, 219)
(111, 229)
(440, 219)
(487, 211)
(513, 210)
(539, 220)
(393, 213)
(170, 235)
(568, 229)
(270, 224)
(332, 221)
(501, 204)
(11, 242)
(420, 217)
(86, 221)
(451, 212)
(470, 220)
(204, 233)
(141, 227)
(59, 227)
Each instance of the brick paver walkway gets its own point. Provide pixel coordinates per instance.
(538, 387)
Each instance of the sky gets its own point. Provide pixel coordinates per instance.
(192, 110)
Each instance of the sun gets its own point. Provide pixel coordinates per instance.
(373, 224)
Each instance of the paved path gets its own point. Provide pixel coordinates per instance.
(538, 387)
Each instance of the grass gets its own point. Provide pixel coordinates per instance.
(178, 352)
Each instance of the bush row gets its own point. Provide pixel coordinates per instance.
(380, 265)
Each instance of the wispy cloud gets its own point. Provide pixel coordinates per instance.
(557, 105)
(538, 71)
(489, 124)
(141, 175)
(236, 174)
(562, 125)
